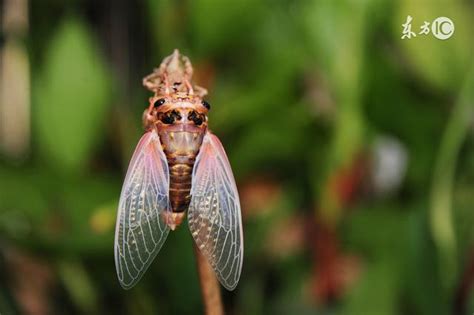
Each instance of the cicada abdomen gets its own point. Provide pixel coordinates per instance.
(178, 166)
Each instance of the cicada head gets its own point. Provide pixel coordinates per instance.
(185, 111)
(181, 122)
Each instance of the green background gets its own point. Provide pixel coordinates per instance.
(306, 96)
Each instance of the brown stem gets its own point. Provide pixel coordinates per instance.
(210, 290)
(464, 288)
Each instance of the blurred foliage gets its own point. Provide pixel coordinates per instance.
(72, 95)
(302, 92)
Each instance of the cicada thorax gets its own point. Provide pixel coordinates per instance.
(181, 124)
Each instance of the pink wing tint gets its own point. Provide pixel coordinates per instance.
(140, 230)
(214, 212)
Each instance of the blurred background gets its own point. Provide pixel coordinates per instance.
(353, 150)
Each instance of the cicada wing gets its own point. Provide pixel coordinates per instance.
(141, 230)
(214, 212)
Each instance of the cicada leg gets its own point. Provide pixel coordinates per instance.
(148, 117)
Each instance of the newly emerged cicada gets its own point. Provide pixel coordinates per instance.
(178, 166)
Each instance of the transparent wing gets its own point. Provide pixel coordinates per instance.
(214, 212)
(140, 230)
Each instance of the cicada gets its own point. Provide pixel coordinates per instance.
(178, 166)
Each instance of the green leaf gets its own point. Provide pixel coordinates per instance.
(71, 98)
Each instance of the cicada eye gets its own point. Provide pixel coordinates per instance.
(206, 104)
(159, 102)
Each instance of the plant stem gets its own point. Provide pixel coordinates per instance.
(210, 290)
(441, 212)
